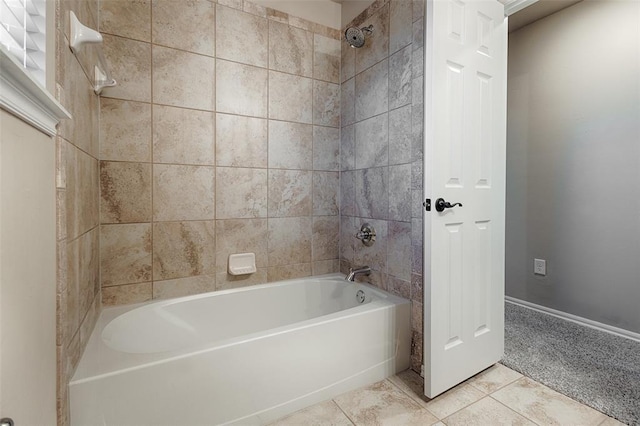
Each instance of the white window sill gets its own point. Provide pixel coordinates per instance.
(25, 98)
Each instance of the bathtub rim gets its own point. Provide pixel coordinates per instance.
(97, 352)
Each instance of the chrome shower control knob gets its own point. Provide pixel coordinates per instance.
(367, 234)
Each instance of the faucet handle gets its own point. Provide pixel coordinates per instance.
(367, 234)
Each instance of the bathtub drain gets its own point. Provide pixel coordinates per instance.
(360, 296)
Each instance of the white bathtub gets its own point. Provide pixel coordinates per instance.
(246, 356)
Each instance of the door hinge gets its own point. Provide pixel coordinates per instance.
(427, 204)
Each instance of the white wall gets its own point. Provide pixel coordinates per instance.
(27, 274)
(573, 161)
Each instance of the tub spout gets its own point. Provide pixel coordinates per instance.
(365, 270)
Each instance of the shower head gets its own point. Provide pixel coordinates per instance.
(355, 36)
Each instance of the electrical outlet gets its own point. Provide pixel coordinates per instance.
(540, 267)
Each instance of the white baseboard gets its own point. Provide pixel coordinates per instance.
(576, 319)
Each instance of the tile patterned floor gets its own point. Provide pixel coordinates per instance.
(497, 396)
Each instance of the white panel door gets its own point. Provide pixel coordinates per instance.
(465, 145)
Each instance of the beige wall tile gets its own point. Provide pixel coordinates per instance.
(399, 287)
(416, 316)
(400, 78)
(290, 97)
(418, 33)
(326, 59)
(290, 49)
(418, 9)
(125, 254)
(400, 135)
(288, 272)
(185, 25)
(241, 89)
(371, 91)
(289, 193)
(126, 294)
(290, 145)
(325, 193)
(61, 163)
(225, 281)
(241, 236)
(130, 63)
(321, 267)
(347, 202)
(254, 9)
(88, 270)
(131, 18)
(417, 62)
(326, 148)
(236, 4)
(241, 37)
(183, 79)
(417, 287)
(348, 61)
(400, 16)
(77, 96)
(326, 104)
(376, 46)
(184, 286)
(348, 102)
(372, 189)
(125, 130)
(72, 308)
(347, 241)
(399, 195)
(125, 190)
(372, 142)
(61, 214)
(86, 199)
(325, 237)
(183, 136)
(399, 250)
(183, 249)
(241, 141)
(70, 153)
(183, 192)
(289, 240)
(374, 256)
(241, 193)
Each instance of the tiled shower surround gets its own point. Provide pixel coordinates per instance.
(221, 137)
(77, 202)
(381, 152)
(234, 128)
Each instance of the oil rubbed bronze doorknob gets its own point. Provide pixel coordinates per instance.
(441, 204)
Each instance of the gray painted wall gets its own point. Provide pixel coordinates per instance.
(573, 162)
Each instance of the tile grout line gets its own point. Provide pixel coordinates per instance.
(512, 409)
(344, 412)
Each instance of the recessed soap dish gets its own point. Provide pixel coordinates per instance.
(242, 263)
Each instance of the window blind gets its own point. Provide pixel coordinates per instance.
(22, 33)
